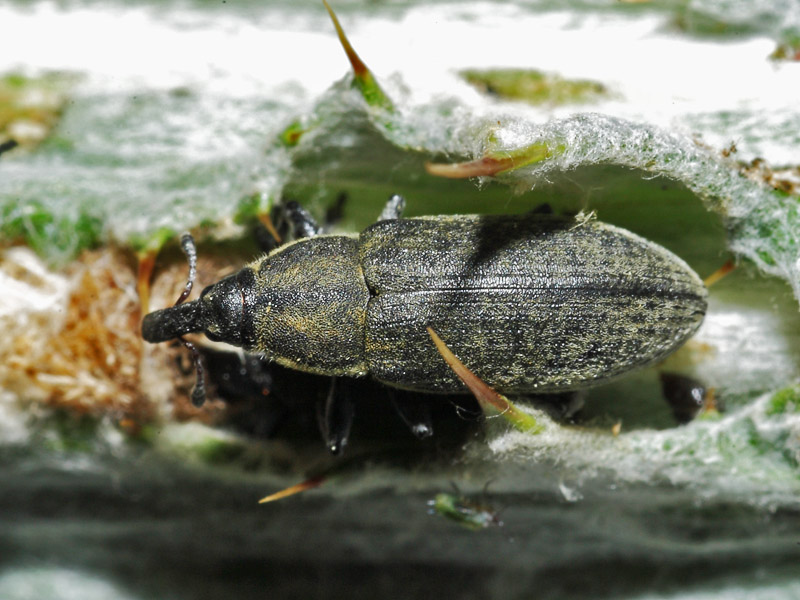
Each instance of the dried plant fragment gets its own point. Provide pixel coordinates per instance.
(82, 353)
(535, 87)
(89, 365)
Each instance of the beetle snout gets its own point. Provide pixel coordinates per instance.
(170, 323)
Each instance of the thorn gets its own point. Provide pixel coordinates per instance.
(294, 489)
(486, 166)
(495, 162)
(719, 273)
(364, 80)
(492, 403)
(359, 68)
(486, 396)
(265, 220)
(710, 404)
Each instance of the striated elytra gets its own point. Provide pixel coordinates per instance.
(531, 303)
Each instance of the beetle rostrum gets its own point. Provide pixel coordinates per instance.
(532, 303)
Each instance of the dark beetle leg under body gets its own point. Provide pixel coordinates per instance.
(302, 222)
(290, 215)
(336, 416)
(335, 211)
(686, 396)
(543, 209)
(245, 382)
(8, 145)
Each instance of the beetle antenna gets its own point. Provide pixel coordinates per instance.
(190, 250)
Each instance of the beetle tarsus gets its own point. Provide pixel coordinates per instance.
(336, 417)
(199, 390)
(414, 413)
(303, 223)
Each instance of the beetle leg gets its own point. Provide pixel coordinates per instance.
(335, 211)
(687, 397)
(543, 209)
(7, 145)
(301, 220)
(336, 417)
(303, 225)
(562, 406)
(414, 412)
(394, 208)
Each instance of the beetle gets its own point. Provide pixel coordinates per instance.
(533, 303)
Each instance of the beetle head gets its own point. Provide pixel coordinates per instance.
(218, 313)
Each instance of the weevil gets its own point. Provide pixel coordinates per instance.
(532, 303)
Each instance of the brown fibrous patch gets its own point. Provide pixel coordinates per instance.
(94, 362)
